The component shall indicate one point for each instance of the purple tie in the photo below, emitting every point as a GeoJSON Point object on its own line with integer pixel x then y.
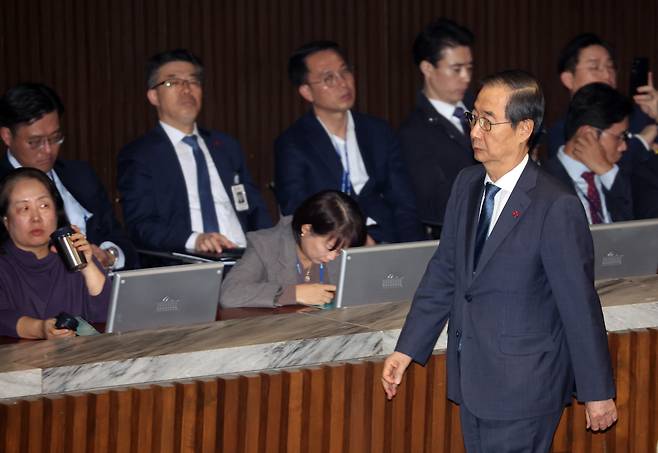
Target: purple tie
{"type": "Point", "coordinates": [593, 198]}
{"type": "Point", "coordinates": [459, 114]}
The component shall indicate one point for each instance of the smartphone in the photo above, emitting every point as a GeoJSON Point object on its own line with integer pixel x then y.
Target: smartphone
{"type": "Point", "coordinates": [639, 74]}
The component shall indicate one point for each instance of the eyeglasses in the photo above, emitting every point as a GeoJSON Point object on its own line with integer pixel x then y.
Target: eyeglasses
{"type": "Point", "coordinates": [178, 83]}
{"type": "Point", "coordinates": [331, 79]}
{"type": "Point", "coordinates": [40, 142]}
{"type": "Point", "coordinates": [625, 136]}
{"type": "Point", "coordinates": [484, 123]}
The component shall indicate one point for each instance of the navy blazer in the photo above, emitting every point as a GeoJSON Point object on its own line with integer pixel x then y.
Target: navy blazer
{"type": "Point", "coordinates": [527, 320]}
{"type": "Point", "coordinates": [618, 200]}
{"type": "Point", "coordinates": [154, 196]}
{"type": "Point", "coordinates": [81, 181]}
{"type": "Point", "coordinates": [306, 163]}
{"type": "Point", "coordinates": [434, 152]}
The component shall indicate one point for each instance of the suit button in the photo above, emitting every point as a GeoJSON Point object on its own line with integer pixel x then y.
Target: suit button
{"type": "Point", "coordinates": [458, 333]}
{"type": "Point", "coordinates": [468, 297]}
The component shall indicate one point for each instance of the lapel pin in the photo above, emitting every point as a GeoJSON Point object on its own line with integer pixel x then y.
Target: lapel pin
{"type": "Point", "coordinates": [516, 213]}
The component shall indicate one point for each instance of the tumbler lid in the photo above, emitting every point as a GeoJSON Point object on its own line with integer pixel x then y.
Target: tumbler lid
{"type": "Point", "coordinates": [63, 231]}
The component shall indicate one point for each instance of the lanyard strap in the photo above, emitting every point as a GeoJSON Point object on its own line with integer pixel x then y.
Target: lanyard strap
{"type": "Point", "coordinates": [299, 270]}
{"type": "Point", "coordinates": [345, 183]}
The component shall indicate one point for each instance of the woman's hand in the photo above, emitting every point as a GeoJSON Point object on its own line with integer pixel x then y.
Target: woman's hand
{"type": "Point", "coordinates": [50, 331]}
{"type": "Point", "coordinates": [314, 293]}
{"type": "Point", "coordinates": [94, 277]}
{"type": "Point", "coordinates": [81, 244]}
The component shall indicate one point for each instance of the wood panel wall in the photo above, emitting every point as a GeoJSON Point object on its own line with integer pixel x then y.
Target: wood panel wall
{"type": "Point", "coordinates": [326, 409]}
{"type": "Point", "coordinates": [93, 54]}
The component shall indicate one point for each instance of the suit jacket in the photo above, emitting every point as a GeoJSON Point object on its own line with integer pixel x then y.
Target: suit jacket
{"type": "Point", "coordinates": [527, 320]}
{"type": "Point", "coordinates": [618, 199]}
{"type": "Point", "coordinates": [306, 163]}
{"type": "Point", "coordinates": [267, 267]}
{"type": "Point", "coordinates": [81, 181]}
{"type": "Point", "coordinates": [154, 196]}
{"type": "Point", "coordinates": [434, 152]}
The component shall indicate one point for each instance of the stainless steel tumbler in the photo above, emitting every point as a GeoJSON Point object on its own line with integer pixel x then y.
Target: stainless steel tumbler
{"type": "Point", "coordinates": [74, 260]}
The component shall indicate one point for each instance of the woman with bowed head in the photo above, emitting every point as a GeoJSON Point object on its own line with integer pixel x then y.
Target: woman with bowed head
{"type": "Point", "coordinates": [286, 264]}
{"type": "Point", "coordinates": [35, 284]}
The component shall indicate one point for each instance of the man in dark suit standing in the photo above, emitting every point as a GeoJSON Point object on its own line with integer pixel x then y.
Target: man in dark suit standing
{"type": "Point", "coordinates": [30, 116]}
{"type": "Point", "coordinates": [334, 147]}
{"type": "Point", "coordinates": [434, 139]}
{"type": "Point", "coordinates": [596, 130]}
{"type": "Point", "coordinates": [184, 187]}
{"type": "Point", "coordinates": [514, 274]}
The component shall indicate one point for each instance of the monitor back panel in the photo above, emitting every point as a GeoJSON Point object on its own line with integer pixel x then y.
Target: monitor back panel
{"type": "Point", "coordinates": [382, 273]}
{"type": "Point", "coordinates": [164, 296]}
{"type": "Point", "coordinates": [625, 249]}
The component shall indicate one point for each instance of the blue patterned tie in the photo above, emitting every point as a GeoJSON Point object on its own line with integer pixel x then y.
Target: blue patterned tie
{"type": "Point", "coordinates": [485, 220]}
{"type": "Point", "coordinates": [208, 212]}
{"type": "Point", "coordinates": [459, 114]}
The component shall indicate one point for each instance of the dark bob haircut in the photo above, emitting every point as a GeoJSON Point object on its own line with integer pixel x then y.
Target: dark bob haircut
{"type": "Point", "coordinates": [439, 35]}
{"type": "Point", "coordinates": [26, 103]}
{"type": "Point", "coordinates": [334, 214]}
{"type": "Point", "coordinates": [597, 105]}
{"type": "Point", "coordinates": [570, 53]}
{"type": "Point", "coordinates": [7, 185]}
{"type": "Point", "coordinates": [297, 69]}
{"type": "Point", "coordinates": [526, 101]}
{"type": "Point", "coordinates": [154, 64]}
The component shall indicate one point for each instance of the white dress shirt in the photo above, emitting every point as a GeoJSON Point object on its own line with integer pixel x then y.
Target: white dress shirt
{"type": "Point", "coordinates": [75, 212]}
{"type": "Point", "coordinates": [575, 170]}
{"type": "Point", "coordinates": [227, 219]}
{"type": "Point", "coordinates": [506, 183]}
{"type": "Point", "coordinates": [350, 157]}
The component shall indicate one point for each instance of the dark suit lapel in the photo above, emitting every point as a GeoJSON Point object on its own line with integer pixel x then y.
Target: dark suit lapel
{"type": "Point", "coordinates": [321, 145]}
{"type": "Point", "coordinates": [473, 210]}
{"type": "Point", "coordinates": [366, 151]}
{"type": "Point", "coordinates": [435, 119]}
{"type": "Point", "coordinates": [512, 213]}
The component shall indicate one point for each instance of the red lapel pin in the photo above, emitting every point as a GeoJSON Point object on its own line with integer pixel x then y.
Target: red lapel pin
{"type": "Point", "coordinates": [516, 214]}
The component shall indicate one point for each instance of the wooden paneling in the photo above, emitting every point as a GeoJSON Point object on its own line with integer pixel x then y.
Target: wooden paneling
{"type": "Point", "coordinates": [93, 54]}
{"type": "Point", "coordinates": [332, 408]}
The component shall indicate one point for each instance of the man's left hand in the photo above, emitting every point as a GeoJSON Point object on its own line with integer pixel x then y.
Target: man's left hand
{"type": "Point", "coordinates": [600, 415]}
{"type": "Point", "coordinates": [104, 257]}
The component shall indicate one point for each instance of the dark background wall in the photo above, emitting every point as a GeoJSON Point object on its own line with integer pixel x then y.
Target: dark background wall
{"type": "Point", "coordinates": [93, 52]}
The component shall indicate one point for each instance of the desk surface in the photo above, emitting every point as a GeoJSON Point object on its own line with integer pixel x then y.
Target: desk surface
{"type": "Point", "coordinates": [250, 343]}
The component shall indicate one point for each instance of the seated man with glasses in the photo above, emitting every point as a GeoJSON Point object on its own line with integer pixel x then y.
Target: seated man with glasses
{"type": "Point", "coordinates": [596, 130]}
{"type": "Point", "coordinates": [333, 147]}
{"type": "Point", "coordinates": [184, 187]}
{"type": "Point", "coordinates": [30, 116]}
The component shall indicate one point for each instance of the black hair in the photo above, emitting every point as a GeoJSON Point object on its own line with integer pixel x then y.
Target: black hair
{"type": "Point", "coordinates": [297, 69]}
{"type": "Point", "coordinates": [437, 36]}
{"type": "Point", "coordinates": [570, 53]}
{"type": "Point", "coordinates": [331, 213]}
{"type": "Point", "coordinates": [526, 102]}
{"type": "Point", "coordinates": [7, 185]}
{"type": "Point", "coordinates": [26, 103]}
{"type": "Point", "coordinates": [158, 60]}
{"type": "Point", "coordinates": [597, 105]}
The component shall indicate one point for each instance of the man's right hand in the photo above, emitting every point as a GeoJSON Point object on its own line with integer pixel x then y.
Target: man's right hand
{"type": "Point", "coordinates": [213, 242]}
{"type": "Point", "coordinates": [394, 367]}
{"type": "Point", "coordinates": [584, 146]}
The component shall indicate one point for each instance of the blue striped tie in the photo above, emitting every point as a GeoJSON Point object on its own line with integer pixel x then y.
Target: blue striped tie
{"type": "Point", "coordinates": [208, 212]}
{"type": "Point", "coordinates": [485, 220]}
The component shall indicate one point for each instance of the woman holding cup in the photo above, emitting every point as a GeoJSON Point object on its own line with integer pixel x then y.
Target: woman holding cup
{"type": "Point", "coordinates": [35, 283]}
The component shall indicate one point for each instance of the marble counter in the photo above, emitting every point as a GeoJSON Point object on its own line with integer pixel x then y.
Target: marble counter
{"type": "Point", "coordinates": [251, 344]}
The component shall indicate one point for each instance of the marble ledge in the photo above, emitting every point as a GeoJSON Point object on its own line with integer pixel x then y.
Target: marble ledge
{"type": "Point", "coordinates": [251, 344]}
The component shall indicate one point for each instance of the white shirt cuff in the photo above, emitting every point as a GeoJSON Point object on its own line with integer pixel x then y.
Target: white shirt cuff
{"type": "Point", "coordinates": [608, 178]}
{"type": "Point", "coordinates": [644, 143]}
{"type": "Point", "coordinates": [120, 262]}
{"type": "Point", "coordinates": [190, 244]}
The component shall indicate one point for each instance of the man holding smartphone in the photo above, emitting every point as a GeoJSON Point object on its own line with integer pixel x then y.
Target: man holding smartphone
{"type": "Point", "coordinates": [588, 59]}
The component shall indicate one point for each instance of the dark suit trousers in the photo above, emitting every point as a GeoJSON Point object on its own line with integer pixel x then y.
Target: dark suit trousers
{"type": "Point", "coordinates": [528, 435]}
